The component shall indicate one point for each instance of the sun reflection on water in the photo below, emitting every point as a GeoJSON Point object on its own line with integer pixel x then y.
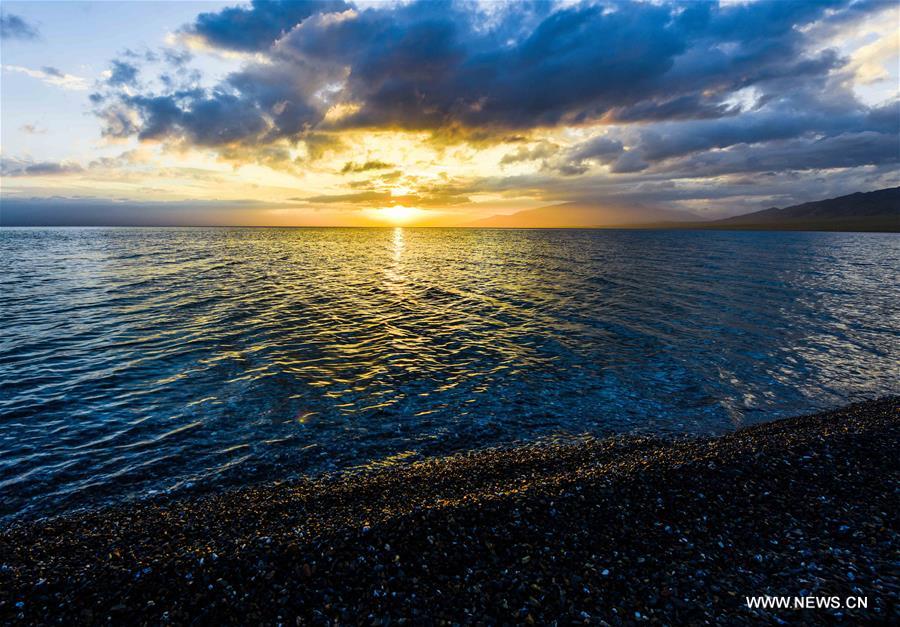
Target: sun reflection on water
{"type": "Point", "coordinates": [200, 355]}
{"type": "Point", "coordinates": [398, 243]}
{"type": "Point", "coordinates": [394, 271]}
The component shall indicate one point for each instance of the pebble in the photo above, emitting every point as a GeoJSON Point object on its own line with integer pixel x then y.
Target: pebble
{"type": "Point", "coordinates": [502, 536]}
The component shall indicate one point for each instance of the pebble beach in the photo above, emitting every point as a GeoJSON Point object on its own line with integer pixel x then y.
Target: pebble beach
{"type": "Point", "coordinates": [623, 530]}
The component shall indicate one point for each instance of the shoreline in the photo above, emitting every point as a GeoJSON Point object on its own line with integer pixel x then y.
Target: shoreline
{"type": "Point", "coordinates": [618, 530]}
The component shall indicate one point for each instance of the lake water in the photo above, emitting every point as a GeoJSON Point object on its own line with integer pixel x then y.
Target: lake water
{"type": "Point", "coordinates": [134, 361]}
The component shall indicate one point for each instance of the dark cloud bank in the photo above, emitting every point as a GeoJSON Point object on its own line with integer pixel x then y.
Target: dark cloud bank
{"type": "Point", "coordinates": [433, 65]}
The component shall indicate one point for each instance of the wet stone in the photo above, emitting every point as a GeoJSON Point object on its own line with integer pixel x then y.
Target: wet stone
{"type": "Point", "coordinates": [625, 530]}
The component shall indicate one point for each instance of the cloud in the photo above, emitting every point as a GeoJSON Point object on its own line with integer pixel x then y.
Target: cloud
{"type": "Point", "coordinates": [536, 152]}
{"type": "Point", "coordinates": [713, 195]}
{"type": "Point", "coordinates": [805, 122]}
{"type": "Point", "coordinates": [257, 27]}
{"type": "Point", "coordinates": [52, 71]}
{"type": "Point", "coordinates": [603, 149]}
{"type": "Point", "coordinates": [122, 74]}
{"type": "Point", "coordinates": [51, 76]}
{"type": "Point", "coordinates": [434, 194]}
{"type": "Point", "coordinates": [847, 150]}
{"type": "Point", "coordinates": [433, 66]}
{"type": "Point", "coordinates": [21, 167]}
{"type": "Point", "coordinates": [629, 162]}
{"type": "Point", "coordinates": [145, 55]}
{"type": "Point", "coordinates": [352, 166]}
{"type": "Point", "coordinates": [793, 116]}
{"type": "Point", "coordinates": [32, 129]}
{"type": "Point", "coordinates": [366, 197]}
{"type": "Point", "coordinates": [870, 62]}
{"type": "Point", "coordinates": [176, 57]}
{"type": "Point", "coordinates": [14, 27]}
{"type": "Point", "coordinates": [437, 67]}
{"type": "Point", "coordinates": [635, 92]}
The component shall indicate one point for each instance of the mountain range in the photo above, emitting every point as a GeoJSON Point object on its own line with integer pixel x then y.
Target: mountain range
{"type": "Point", "coordinates": [863, 211]}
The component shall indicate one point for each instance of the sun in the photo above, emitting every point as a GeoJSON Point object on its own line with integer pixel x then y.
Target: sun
{"type": "Point", "coordinates": [396, 214]}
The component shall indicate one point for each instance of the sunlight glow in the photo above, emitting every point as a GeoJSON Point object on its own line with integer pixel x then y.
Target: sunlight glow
{"type": "Point", "coordinates": [398, 214]}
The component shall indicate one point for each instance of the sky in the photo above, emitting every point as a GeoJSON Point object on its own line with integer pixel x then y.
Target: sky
{"type": "Point", "coordinates": [440, 113]}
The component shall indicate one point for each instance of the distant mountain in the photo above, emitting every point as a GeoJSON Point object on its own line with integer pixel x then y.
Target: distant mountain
{"type": "Point", "coordinates": [572, 214]}
{"type": "Point", "coordinates": [862, 211]}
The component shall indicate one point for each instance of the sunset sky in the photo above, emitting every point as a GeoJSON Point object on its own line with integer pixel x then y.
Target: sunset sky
{"type": "Point", "coordinates": [343, 113]}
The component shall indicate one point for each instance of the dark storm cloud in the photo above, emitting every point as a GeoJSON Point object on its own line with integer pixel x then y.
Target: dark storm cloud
{"type": "Point", "coordinates": [687, 107]}
{"type": "Point", "coordinates": [599, 150]}
{"type": "Point", "coordinates": [220, 120]}
{"type": "Point", "coordinates": [14, 27]}
{"type": "Point", "coordinates": [796, 131]}
{"type": "Point", "coordinates": [603, 149]}
{"type": "Point", "coordinates": [627, 162]}
{"type": "Point", "coordinates": [794, 117]}
{"type": "Point", "coordinates": [434, 65]}
{"type": "Point", "coordinates": [847, 150]}
{"type": "Point", "coordinates": [697, 76]}
{"type": "Point", "coordinates": [255, 28]}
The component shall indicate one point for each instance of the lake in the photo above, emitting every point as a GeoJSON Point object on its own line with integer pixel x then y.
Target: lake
{"type": "Point", "coordinates": [139, 361]}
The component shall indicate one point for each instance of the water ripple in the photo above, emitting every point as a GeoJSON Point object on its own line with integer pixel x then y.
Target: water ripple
{"type": "Point", "coordinates": [134, 361]}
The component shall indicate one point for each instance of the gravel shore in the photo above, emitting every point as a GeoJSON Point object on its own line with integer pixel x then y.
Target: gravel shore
{"type": "Point", "coordinates": [621, 531]}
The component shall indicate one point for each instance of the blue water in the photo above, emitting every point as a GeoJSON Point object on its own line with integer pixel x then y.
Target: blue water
{"type": "Point", "coordinates": [135, 361]}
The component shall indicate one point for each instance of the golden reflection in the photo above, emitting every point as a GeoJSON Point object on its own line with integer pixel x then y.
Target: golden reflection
{"type": "Point", "coordinates": [398, 243]}
{"type": "Point", "coordinates": [396, 279]}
